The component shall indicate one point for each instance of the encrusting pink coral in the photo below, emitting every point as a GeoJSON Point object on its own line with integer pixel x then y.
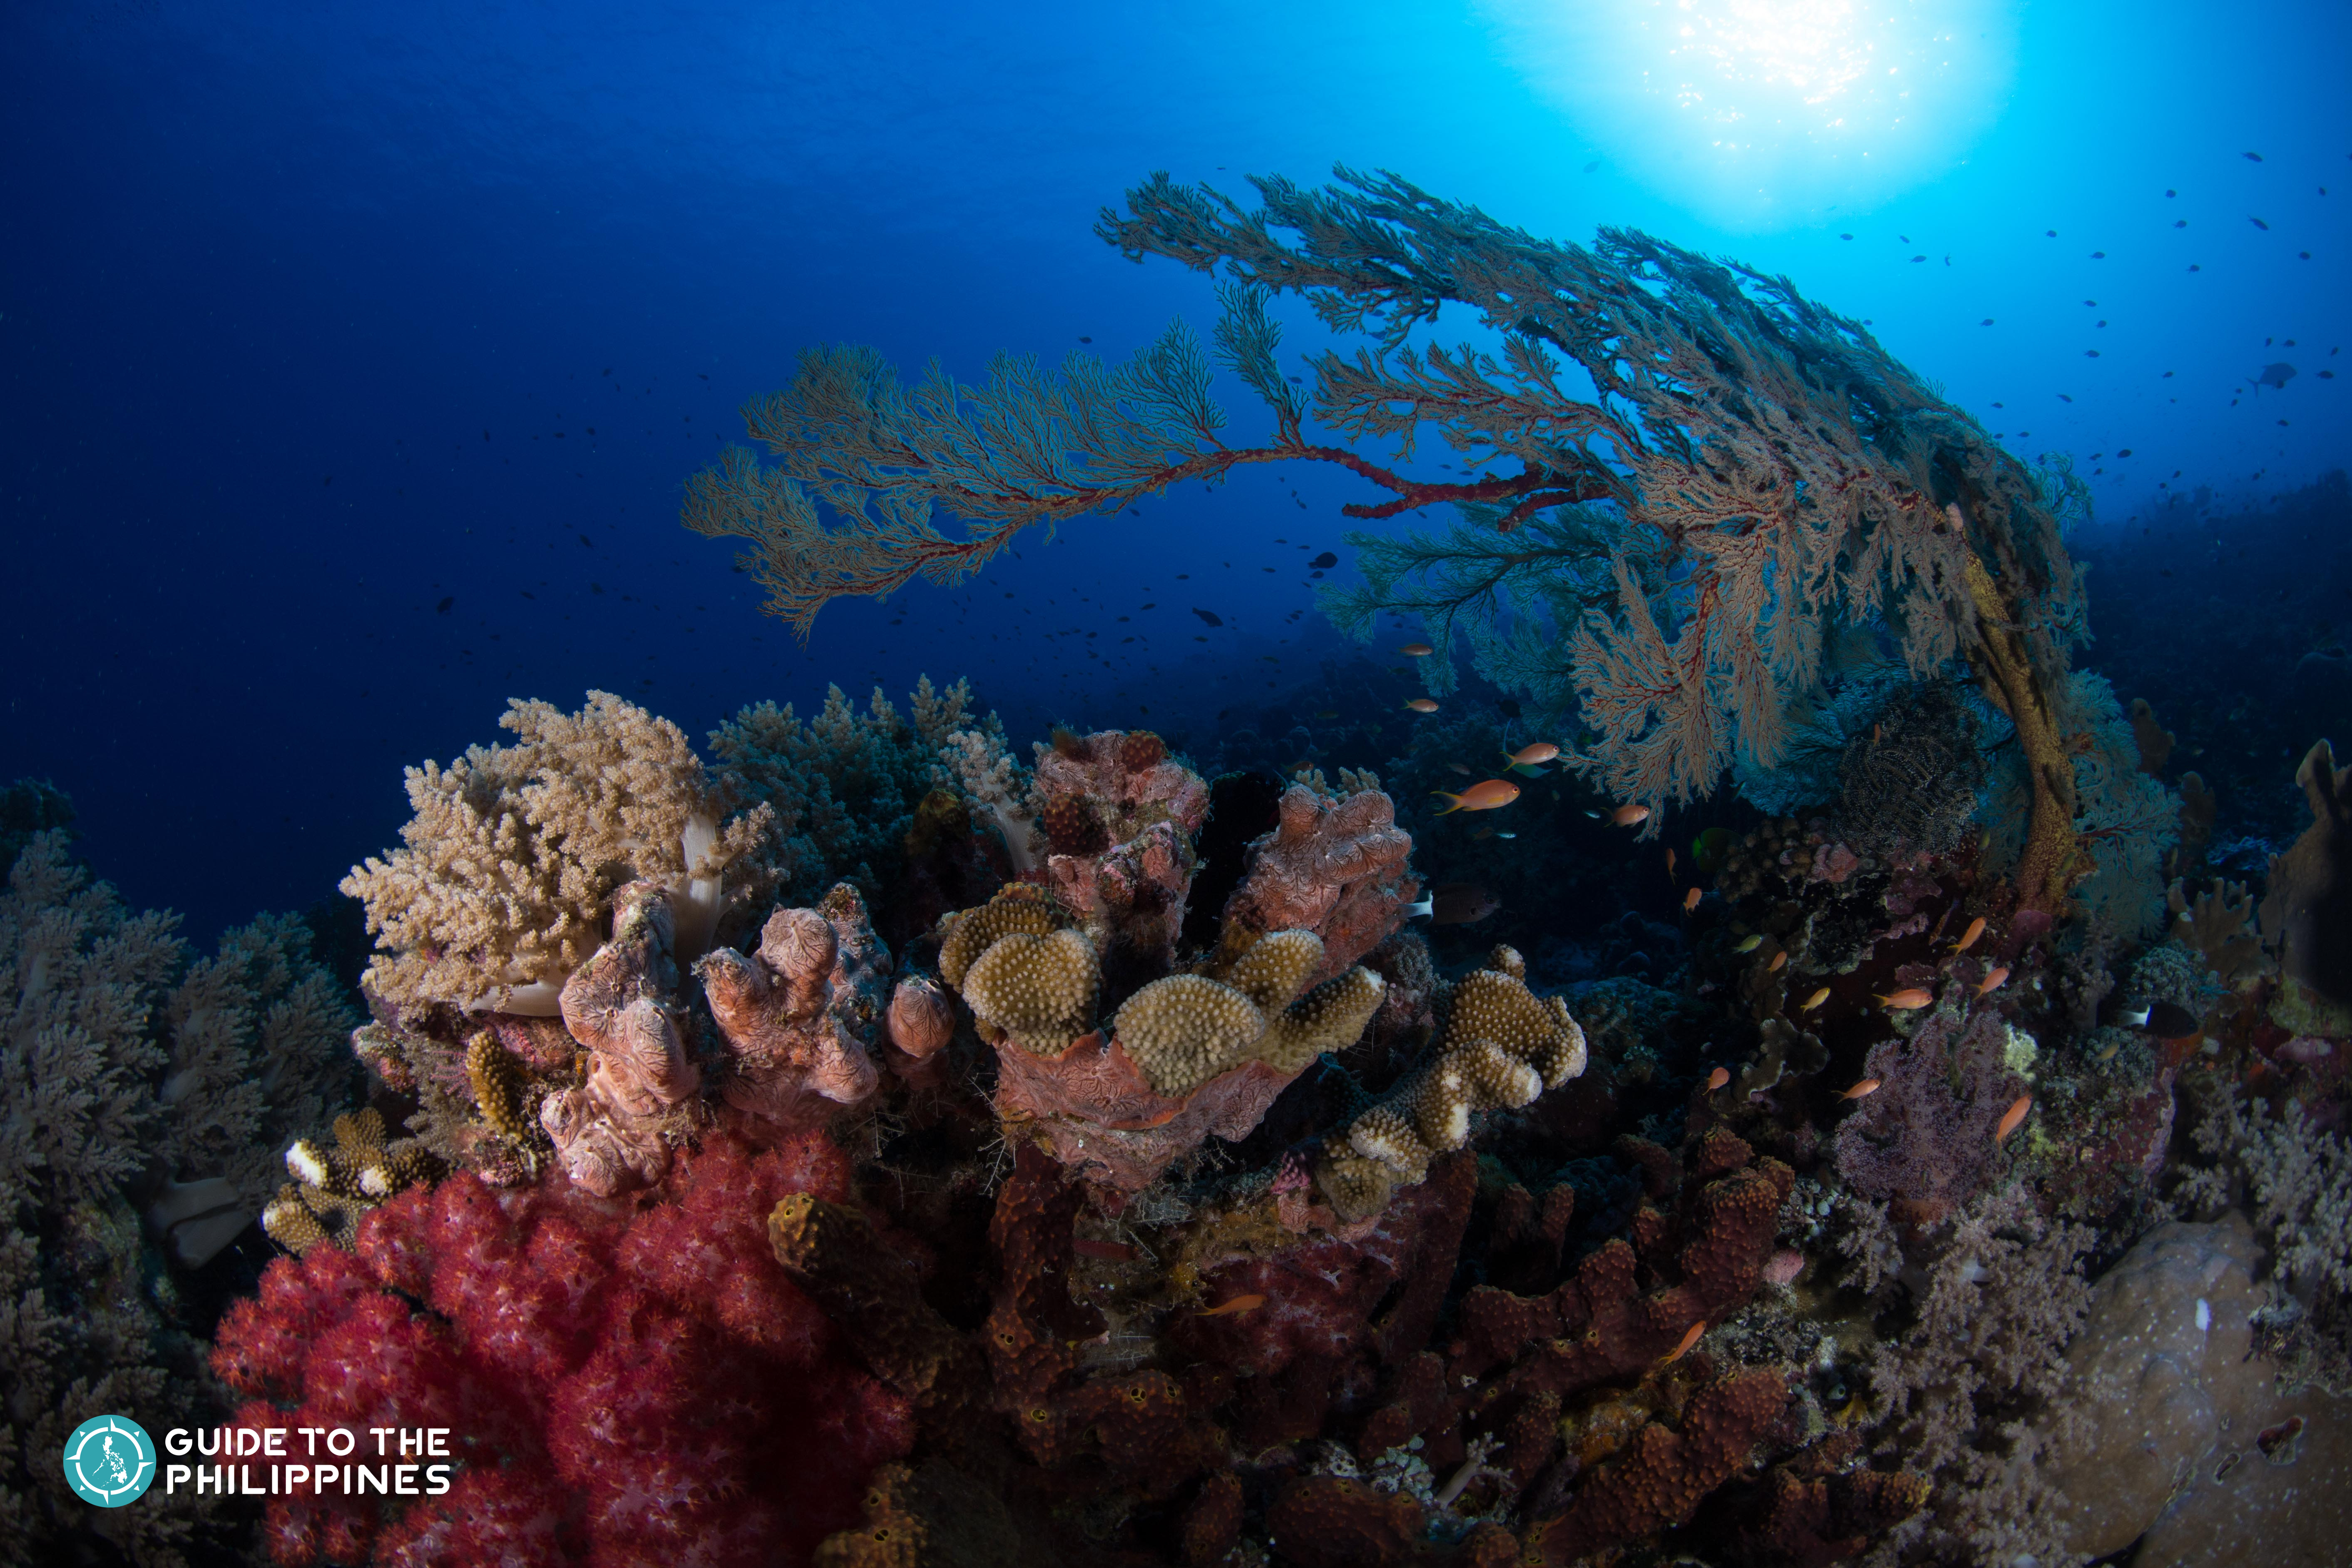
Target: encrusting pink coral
{"type": "Point", "coordinates": [1336, 867]}
{"type": "Point", "coordinates": [609, 1131]}
{"type": "Point", "coordinates": [623, 1385]}
{"type": "Point", "coordinates": [799, 1014]}
{"type": "Point", "coordinates": [1119, 814]}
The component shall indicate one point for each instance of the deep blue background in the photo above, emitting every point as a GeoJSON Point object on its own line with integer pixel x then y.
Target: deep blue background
{"type": "Point", "coordinates": [311, 316]}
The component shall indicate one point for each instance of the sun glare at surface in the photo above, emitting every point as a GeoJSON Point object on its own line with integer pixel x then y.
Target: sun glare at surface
{"type": "Point", "coordinates": [1760, 113]}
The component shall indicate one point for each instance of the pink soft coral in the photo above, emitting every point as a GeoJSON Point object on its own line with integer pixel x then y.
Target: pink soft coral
{"type": "Point", "coordinates": [623, 1385]}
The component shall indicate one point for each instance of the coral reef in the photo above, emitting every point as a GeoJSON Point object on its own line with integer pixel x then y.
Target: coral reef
{"type": "Point", "coordinates": [1925, 1137]}
{"type": "Point", "coordinates": [138, 1086]}
{"type": "Point", "coordinates": [622, 1384]}
{"type": "Point", "coordinates": [2307, 913]}
{"type": "Point", "coordinates": [505, 882]}
{"type": "Point", "coordinates": [1333, 866]}
{"type": "Point", "coordinates": [1500, 1048]}
{"type": "Point", "coordinates": [847, 788]}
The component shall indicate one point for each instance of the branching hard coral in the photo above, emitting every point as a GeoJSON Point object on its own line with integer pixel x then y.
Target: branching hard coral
{"type": "Point", "coordinates": [336, 1186]}
{"type": "Point", "coordinates": [1500, 1048]}
{"type": "Point", "coordinates": [845, 785]}
{"type": "Point", "coordinates": [505, 884]}
{"type": "Point", "coordinates": [1751, 470]}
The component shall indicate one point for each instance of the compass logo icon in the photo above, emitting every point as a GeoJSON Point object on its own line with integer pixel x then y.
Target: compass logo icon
{"type": "Point", "coordinates": [110, 1460]}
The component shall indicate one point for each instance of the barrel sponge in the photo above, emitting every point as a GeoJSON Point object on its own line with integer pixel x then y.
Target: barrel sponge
{"type": "Point", "coordinates": [1038, 989]}
{"type": "Point", "coordinates": [1275, 968]}
{"type": "Point", "coordinates": [1331, 1017]}
{"type": "Point", "coordinates": [1016, 908]}
{"type": "Point", "coordinates": [1186, 1029]}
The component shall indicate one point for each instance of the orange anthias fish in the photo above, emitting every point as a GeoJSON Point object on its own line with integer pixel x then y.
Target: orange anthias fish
{"type": "Point", "coordinates": [1778, 960]}
{"type": "Point", "coordinates": [1238, 1304]}
{"type": "Point", "coordinates": [1815, 1000]}
{"type": "Point", "coordinates": [1534, 751]}
{"type": "Point", "coordinates": [1866, 1086]}
{"type": "Point", "coordinates": [1690, 1338]}
{"type": "Point", "coordinates": [1969, 937]}
{"type": "Point", "coordinates": [1910, 996]}
{"type": "Point", "coordinates": [1422, 705]}
{"type": "Point", "coordinates": [1416, 650]}
{"type": "Point", "coordinates": [1485, 795]}
{"type": "Point", "coordinates": [1670, 862]}
{"type": "Point", "coordinates": [1690, 899]}
{"type": "Point", "coordinates": [1629, 815]}
{"type": "Point", "coordinates": [2012, 1117]}
{"type": "Point", "coordinates": [1992, 981]}
{"type": "Point", "coordinates": [1718, 1078]}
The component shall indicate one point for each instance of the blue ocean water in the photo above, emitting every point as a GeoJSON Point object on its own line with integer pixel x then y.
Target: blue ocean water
{"type": "Point", "coordinates": [353, 358]}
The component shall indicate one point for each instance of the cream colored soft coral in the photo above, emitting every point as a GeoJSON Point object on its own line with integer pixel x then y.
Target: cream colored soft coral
{"type": "Point", "coordinates": [505, 884]}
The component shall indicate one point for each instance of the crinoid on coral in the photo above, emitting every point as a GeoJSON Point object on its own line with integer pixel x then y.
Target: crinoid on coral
{"type": "Point", "coordinates": [506, 879]}
{"type": "Point", "coordinates": [625, 1384]}
{"type": "Point", "coordinates": [1500, 1048]}
{"type": "Point", "coordinates": [1337, 867]}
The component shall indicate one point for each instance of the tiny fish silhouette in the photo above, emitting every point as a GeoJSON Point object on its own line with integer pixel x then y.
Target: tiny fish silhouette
{"type": "Point", "coordinates": [1237, 1305]}
{"type": "Point", "coordinates": [1458, 768]}
{"type": "Point", "coordinates": [1690, 899]}
{"type": "Point", "coordinates": [1670, 862]}
{"type": "Point", "coordinates": [1905, 1000]}
{"type": "Point", "coordinates": [1867, 1085]}
{"type": "Point", "coordinates": [1718, 1078]}
{"type": "Point", "coordinates": [1690, 1338]}
{"type": "Point", "coordinates": [2275, 376]}
{"type": "Point", "coordinates": [1485, 795]}
{"type": "Point", "coordinates": [1993, 981]}
{"type": "Point", "coordinates": [1210, 617]}
{"type": "Point", "coordinates": [1969, 937]}
{"type": "Point", "coordinates": [2258, 224]}
{"type": "Point", "coordinates": [1416, 650]}
{"type": "Point", "coordinates": [1815, 1000]}
{"type": "Point", "coordinates": [1422, 705]}
{"type": "Point", "coordinates": [1322, 561]}
{"type": "Point", "coordinates": [2012, 1117]}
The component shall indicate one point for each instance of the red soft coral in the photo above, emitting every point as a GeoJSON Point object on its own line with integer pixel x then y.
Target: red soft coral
{"type": "Point", "coordinates": [622, 1385]}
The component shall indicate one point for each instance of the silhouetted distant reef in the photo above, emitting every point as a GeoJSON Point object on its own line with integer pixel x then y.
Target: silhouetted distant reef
{"type": "Point", "coordinates": [2236, 627]}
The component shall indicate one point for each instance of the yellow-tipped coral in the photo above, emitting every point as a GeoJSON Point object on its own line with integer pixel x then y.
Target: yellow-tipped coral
{"type": "Point", "coordinates": [1040, 990]}
{"type": "Point", "coordinates": [1018, 907]}
{"type": "Point", "coordinates": [335, 1184]}
{"type": "Point", "coordinates": [1501, 1049]}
